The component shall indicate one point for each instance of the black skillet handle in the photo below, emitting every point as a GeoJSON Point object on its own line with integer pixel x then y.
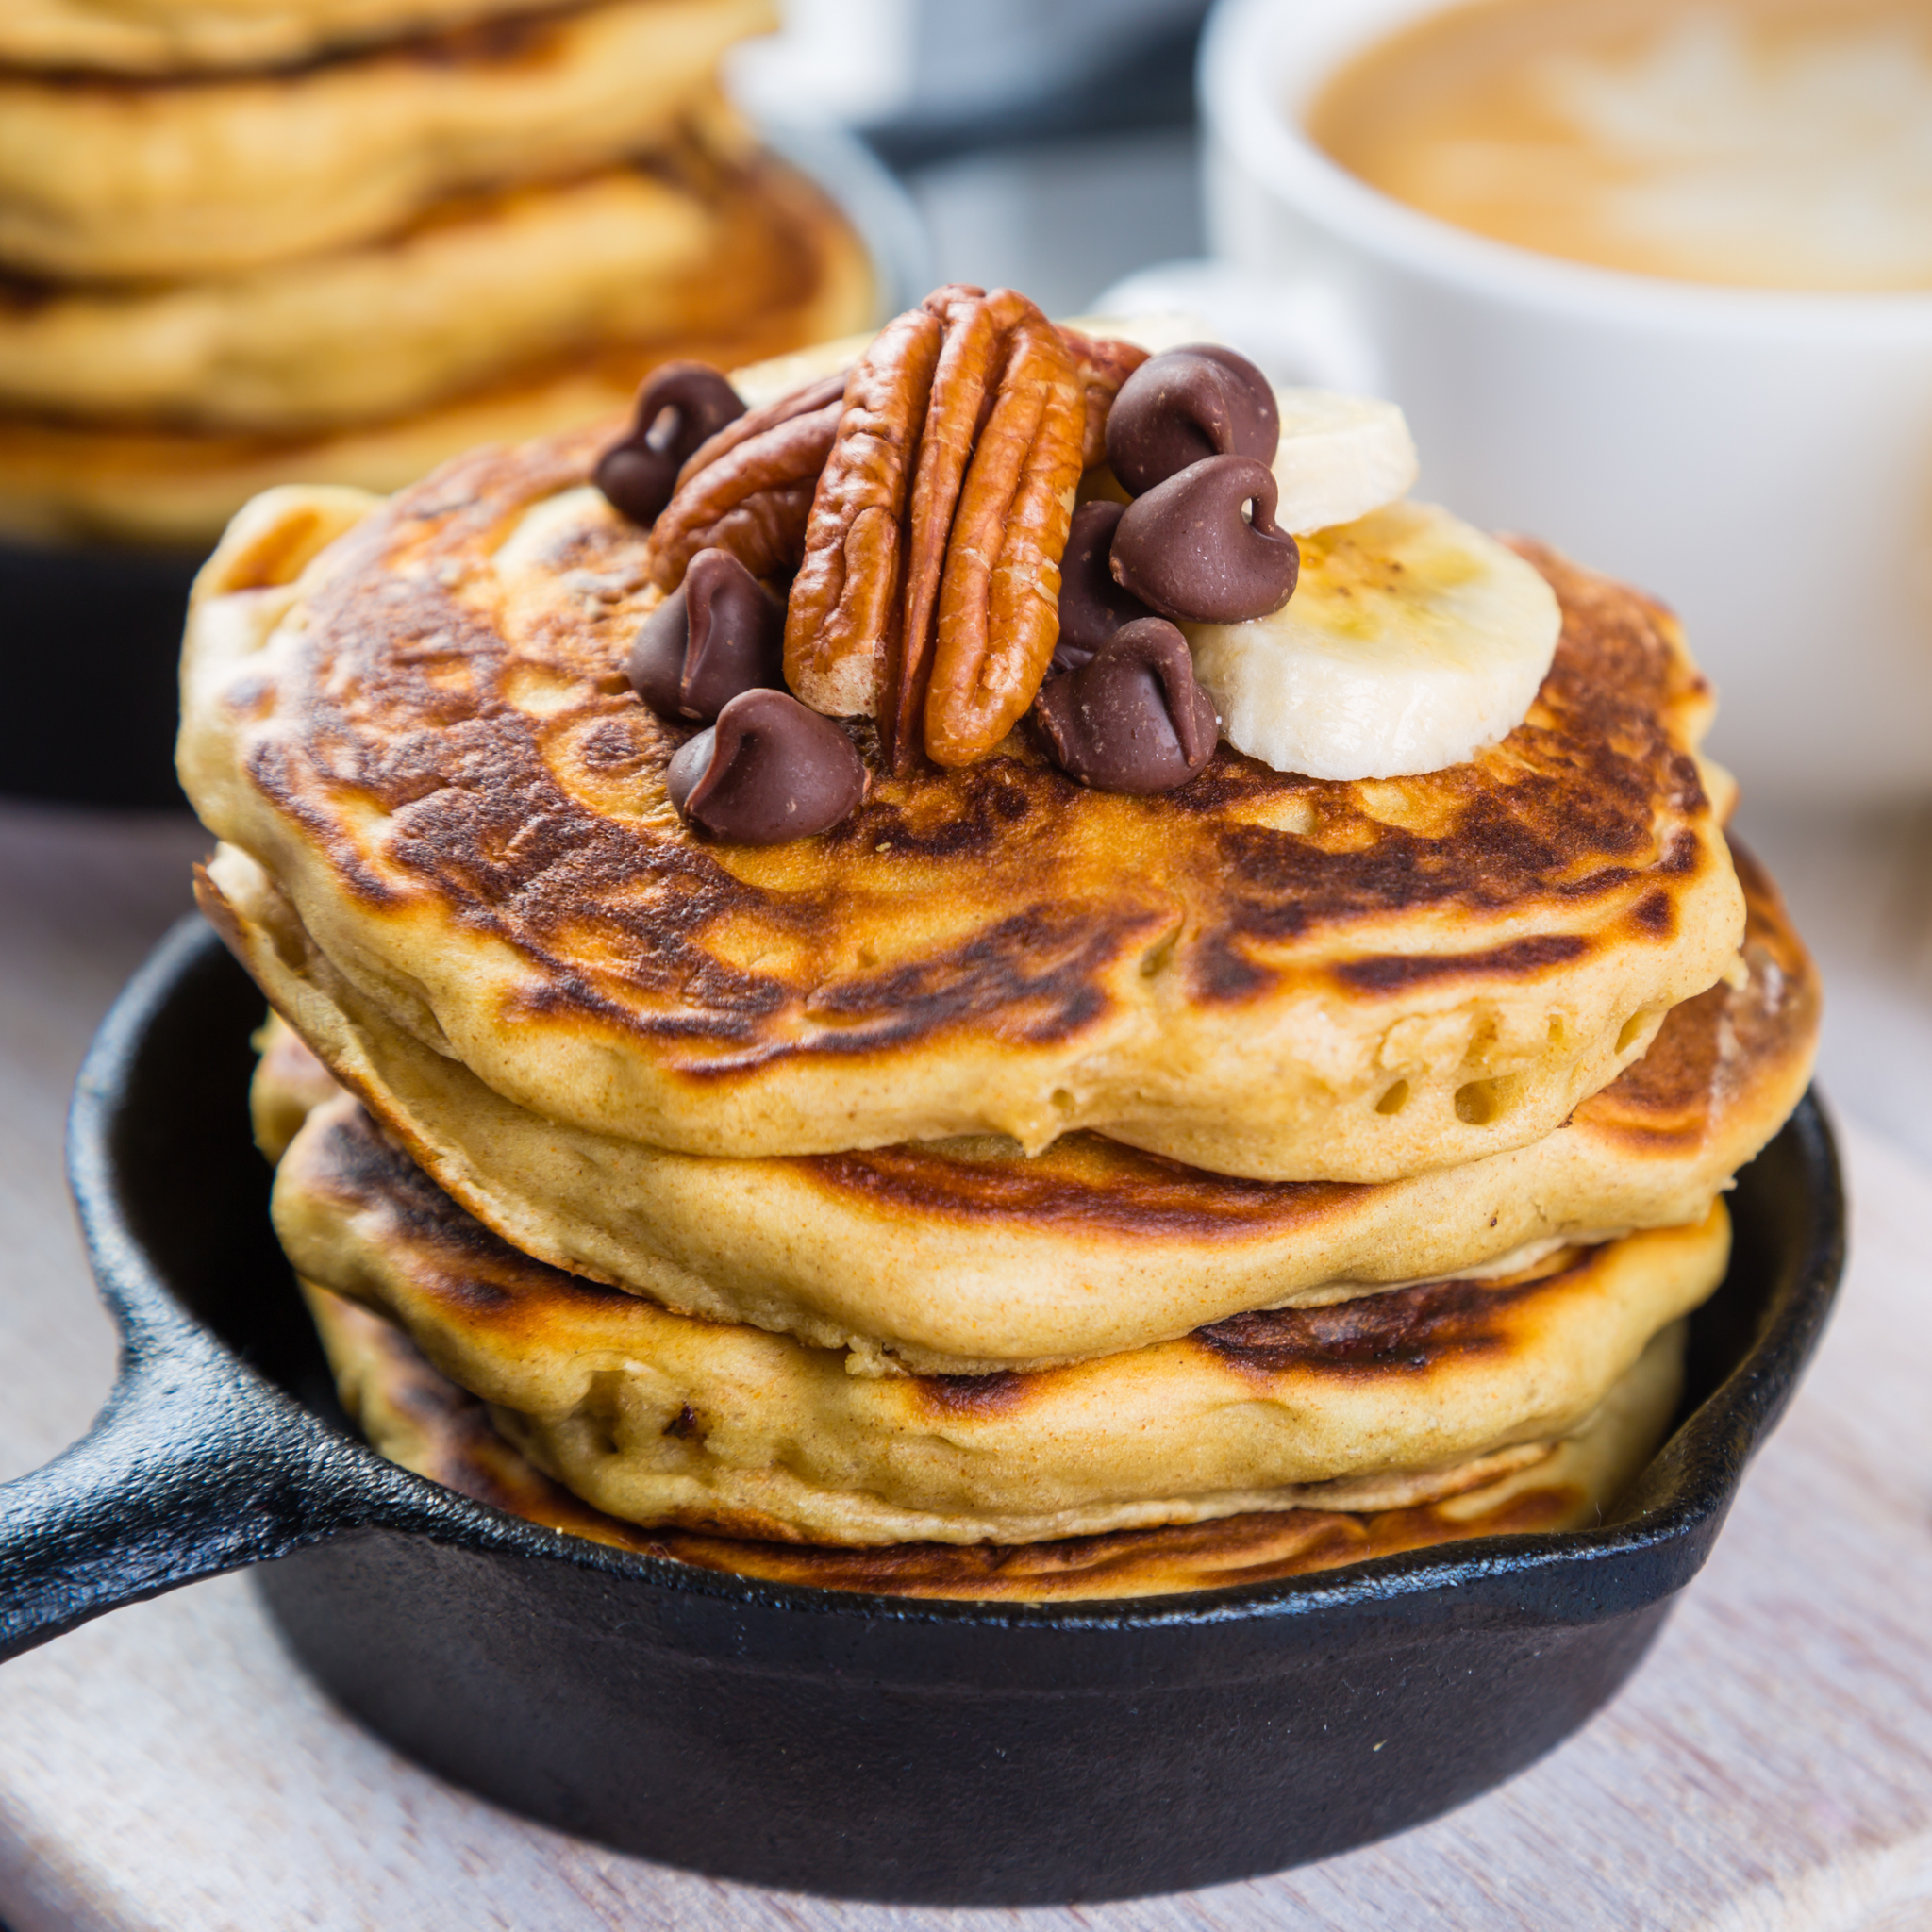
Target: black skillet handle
{"type": "Point", "coordinates": [195, 1466]}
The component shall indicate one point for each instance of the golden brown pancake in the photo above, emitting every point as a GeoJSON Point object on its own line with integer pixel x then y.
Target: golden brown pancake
{"type": "Point", "coordinates": [290, 1083]}
{"type": "Point", "coordinates": [183, 37]}
{"type": "Point", "coordinates": [123, 179]}
{"type": "Point", "coordinates": [427, 744]}
{"type": "Point", "coordinates": [786, 269]}
{"type": "Point", "coordinates": [661, 1419]}
{"type": "Point", "coordinates": [481, 288]}
{"type": "Point", "coordinates": [420, 1419]}
{"type": "Point", "coordinates": [966, 1258]}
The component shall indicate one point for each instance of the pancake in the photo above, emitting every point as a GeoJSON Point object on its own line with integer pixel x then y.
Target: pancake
{"type": "Point", "coordinates": [178, 37]}
{"type": "Point", "coordinates": [661, 1419]}
{"type": "Point", "coordinates": [103, 179]}
{"type": "Point", "coordinates": [378, 330]}
{"type": "Point", "coordinates": [420, 1419]}
{"type": "Point", "coordinates": [428, 742]}
{"type": "Point", "coordinates": [182, 37]}
{"type": "Point", "coordinates": [785, 269]}
{"type": "Point", "coordinates": [290, 1083]}
{"type": "Point", "coordinates": [969, 1258]}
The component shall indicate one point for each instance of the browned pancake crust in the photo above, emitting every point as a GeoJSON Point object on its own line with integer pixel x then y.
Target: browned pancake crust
{"type": "Point", "coordinates": [991, 947]}
{"type": "Point", "coordinates": [1712, 1049]}
{"type": "Point", "coordinates": [720, 1429]}
{"type": "Point", "coordinates": [478, 1279]}
{"type": "Point", "coordinates": [454, 1444]}
{"type": "Point", "coordinates": [1711, 1053]}
{"type": "Point", "coordinates": [965, 1256]}
{"type": "Point", "coordinates": [1236, 1550]}
{"type": "Point", "coordinates": [632, 923]}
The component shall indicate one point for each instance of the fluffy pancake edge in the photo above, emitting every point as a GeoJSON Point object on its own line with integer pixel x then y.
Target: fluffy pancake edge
{"type": "Point", "coordinates": [418, 1418]}
{"type": "Point", "coordinates": [919, 1260]}
{"type": "Point", "coordinates": [659, 1418]}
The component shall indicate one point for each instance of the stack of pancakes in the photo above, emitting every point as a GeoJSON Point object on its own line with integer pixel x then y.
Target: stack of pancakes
{"type": "Point", "coordinates": [242, 241]}
{"type": "Point", "coordinates": [1019, 1190]}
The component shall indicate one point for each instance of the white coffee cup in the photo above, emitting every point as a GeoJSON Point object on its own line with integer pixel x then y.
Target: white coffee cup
{"type": "Point", "coordinates": [1760, 460]}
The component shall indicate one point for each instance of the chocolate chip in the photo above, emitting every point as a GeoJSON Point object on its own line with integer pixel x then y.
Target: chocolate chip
{"type": "Point", "coordinates": [719, 633]}
{"type": "Point", "coordinates": [1132, 719]}
{"type": "Point", "coordinates": [768, 771]}
{"type": "Point", "coordinates": [1186, 550]}
{"type": "Point", "coordinates": [1093, 605]}
{"type": "Point", "coordinates": [680, 405]}
{"type": "Point", "coordinates": [1175, 409]}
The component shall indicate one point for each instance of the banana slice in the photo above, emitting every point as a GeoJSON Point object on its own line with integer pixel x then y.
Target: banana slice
{"type": "Point", "coordinates": [1411, 642]}
{"type": "Point", "coordinates": [1339, 457]}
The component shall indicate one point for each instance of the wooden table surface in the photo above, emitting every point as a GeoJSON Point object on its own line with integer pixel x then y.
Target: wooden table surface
{"type": "Point", "coordinates": [1768, 1769]}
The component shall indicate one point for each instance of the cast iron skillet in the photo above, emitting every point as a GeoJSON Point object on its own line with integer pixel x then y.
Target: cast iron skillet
{"type": "Point", "coordinates": [837, 1743]}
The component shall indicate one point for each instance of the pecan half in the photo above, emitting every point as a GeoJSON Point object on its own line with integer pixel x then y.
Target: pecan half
{"type": "Point", "coordinates": [846, 607]}
{"type": "Point", "coordinates": [749, 489]}
{"type": "Point", "coordinates": [999, 597]}
{"type": "Point", "coordinates": [1104, 365]}
{"type": "Point", "coordinates": [929, 590]}
{"type": "Point", "coordinates": [963, 395]}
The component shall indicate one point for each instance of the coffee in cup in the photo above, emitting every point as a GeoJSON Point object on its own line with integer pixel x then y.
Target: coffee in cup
{"type": "Point", "coordinates": [1760, 452]}
{"type": "Point", "coordinates": [1760, 143]}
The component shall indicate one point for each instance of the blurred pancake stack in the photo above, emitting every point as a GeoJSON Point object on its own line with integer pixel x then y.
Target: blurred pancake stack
{"type": "Point", "coordinates": [244, 242]}
{"type": "Point", "coordinates": [1039, 1173]}
{"type": "Point", "coordinates": [341, 243]}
